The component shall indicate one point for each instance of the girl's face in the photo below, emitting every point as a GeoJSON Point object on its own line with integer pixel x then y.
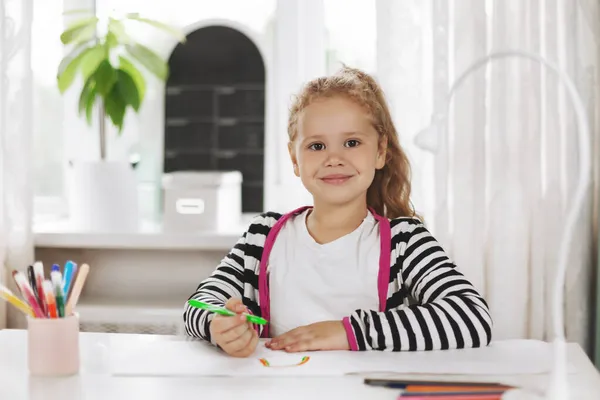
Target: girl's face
{"type": "Point", "coordinates": [336, 151]}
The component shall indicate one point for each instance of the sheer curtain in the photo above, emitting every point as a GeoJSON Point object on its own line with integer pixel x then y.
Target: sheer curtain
{"type": "Point", "coordinates": [498, 199]}
{"type": "Point", "coordinates": [16, 239]}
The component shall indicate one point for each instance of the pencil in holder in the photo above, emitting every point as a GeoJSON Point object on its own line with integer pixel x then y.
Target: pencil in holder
{"type": "Point", "coordinates": [53, 346]}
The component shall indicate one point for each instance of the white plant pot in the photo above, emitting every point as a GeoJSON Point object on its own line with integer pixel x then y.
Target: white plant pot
{"type": "Point", "coordinates": [103, 196]}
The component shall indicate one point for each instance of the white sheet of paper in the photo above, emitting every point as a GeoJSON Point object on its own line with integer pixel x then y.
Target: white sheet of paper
{"type": "Point", "coordinates": [197, 358]}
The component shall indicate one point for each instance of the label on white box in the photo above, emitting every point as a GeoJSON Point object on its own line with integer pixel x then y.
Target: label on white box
{"type": "Point", "coordinates": [189, 206]}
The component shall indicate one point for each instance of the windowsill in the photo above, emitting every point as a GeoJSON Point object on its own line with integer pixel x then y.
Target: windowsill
{"type": "Point", "coordinates": [150, 236]}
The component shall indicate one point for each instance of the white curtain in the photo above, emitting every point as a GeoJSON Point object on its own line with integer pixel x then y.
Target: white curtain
{"type": "Point", "coordinates": [16, 239]}
{"type": "Point", "coordinates": [498, 198]}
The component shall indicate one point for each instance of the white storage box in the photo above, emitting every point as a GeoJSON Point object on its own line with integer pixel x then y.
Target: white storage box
{"type": "Point", "coordinates": [196, 201]}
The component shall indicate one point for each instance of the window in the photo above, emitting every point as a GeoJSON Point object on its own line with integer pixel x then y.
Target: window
{"type": "Point", "coordinates": [60, 134]}
{"type": "Point", "coordinates": [163, 127]}
{"type": "Point", "coordinates": [48, 122]}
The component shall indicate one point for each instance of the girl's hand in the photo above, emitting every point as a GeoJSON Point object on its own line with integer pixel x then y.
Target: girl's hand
{"type": "Point", "coordinates": [327, 335]}
{"type": "Point", "coordinates": [235, 335]}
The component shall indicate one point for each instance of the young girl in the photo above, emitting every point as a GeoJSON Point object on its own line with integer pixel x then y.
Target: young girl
{"type": "Point", "coordinates": [357, 271]}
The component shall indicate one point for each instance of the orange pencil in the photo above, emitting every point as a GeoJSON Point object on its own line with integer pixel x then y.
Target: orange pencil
{"type": "Point", "coordinates": [50, 300]}
{"type": "Point", "coordinates": [454, 388]}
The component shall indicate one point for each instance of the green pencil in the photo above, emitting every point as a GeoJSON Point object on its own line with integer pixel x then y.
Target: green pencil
{"type": "Point", "coordinates": [56, 278]}
{"type": "Point", "coordinates": [223, 311]}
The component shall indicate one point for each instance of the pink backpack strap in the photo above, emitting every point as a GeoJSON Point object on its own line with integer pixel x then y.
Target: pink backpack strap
{"type": "Point", "coordinates": [383, 278]}
{"type": "Point", "coordinates": [263, 281]}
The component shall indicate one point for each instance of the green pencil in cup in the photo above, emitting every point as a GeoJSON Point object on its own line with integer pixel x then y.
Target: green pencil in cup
{"type": "Point", "coordinates": [228, 313]}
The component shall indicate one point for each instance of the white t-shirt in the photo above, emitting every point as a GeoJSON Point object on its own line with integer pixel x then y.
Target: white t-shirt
{"type": "Point", "coordinates": [311, 282]}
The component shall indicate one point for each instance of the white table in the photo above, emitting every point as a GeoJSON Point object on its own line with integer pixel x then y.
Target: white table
{"type": "Point", "coordinates": [95, 383]}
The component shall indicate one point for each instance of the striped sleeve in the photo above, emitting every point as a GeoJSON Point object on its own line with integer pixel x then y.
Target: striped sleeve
{"type": "Point", "coordinates": [449, 312]}
{"type": "Point", "coordinates": [224, 283]}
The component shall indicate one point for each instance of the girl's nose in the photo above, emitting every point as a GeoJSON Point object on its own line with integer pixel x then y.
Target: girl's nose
{"type": "Point", "coordinates": [334, 159]}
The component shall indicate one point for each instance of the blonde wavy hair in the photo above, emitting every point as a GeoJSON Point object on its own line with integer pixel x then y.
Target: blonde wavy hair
{"type": "Point", "coordinates": [389, 193]}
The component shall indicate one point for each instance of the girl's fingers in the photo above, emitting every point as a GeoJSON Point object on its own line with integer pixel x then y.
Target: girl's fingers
{"type": "Point", "coordinates": [234, 333]}
{"type": "Point", "coordinates": [249, 348]}
{"type": "Point", "coordinates": [240, 343]}
{"type": "Point", "coordinates": [221, 324]}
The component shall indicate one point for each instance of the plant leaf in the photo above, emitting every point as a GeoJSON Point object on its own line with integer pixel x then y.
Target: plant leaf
{"type": "Point", "coordinates": [105, 78]}
{"type": "Point", "coordinates": [117, 28]}
{"type": "Point", "coordinates": [79, 30]}
{"type": "Point", "coordinates": [78, 11]}
{"type": "Point", "coordinates": [87, 99]}
{"type": "Point", "coordinates": [179, 35]}
{"type": "Point", "coordinates": [70, 57]}
{"type": "Point", "coordinates": [85, 93]}
{"type": "Point", "coordinates": [92, 59]}
{"type": "Point", "coordinates": [135, 74]}
{"type": "Point", "coordinates": [115, 107]}
{"type": "Point", "coordinates": [149, 59]}
{"type": "Point", "coordinates": [89, 106]}
{"type": "Point", "coordinates": [67, 76]}
{"type": "Point", "coordinates": [111, 40]}
{"type": "Point", "coordinates": [86, 35]}
{"type": "Point", "coordinates": [128, 89]}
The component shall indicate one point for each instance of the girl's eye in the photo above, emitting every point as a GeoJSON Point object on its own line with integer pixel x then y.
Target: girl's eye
{"type": "Point", "coordinates": [352, 143]}
{"type": "Point", "coordinates": [316, 146]}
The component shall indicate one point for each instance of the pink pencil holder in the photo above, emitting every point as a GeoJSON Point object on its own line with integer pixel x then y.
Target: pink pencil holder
{"type": "Point", "coordinates": [53, 346]}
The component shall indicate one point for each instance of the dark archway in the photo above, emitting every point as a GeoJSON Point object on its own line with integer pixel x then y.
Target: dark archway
{"type": "Point", "coordinates": [215, 109]}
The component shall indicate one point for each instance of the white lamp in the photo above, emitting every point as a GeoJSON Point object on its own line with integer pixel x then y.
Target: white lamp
{"type": "Point", "coordinates": [430, 139]}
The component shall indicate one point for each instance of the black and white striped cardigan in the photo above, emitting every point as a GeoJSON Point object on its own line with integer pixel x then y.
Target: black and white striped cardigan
{"type": "Point", "coordinates": [425, 302]}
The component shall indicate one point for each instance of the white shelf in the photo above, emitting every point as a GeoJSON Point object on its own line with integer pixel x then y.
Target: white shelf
{"type": "Point", "coordinates": [127, 312]}
{"type": "Point", "coordinates": [59, 234]}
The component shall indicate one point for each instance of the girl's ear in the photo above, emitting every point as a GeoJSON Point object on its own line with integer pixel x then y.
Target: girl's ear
{"type": "Point", "coordinates": [381, 153]}
{"type": "Point", "coordinates": [292, 152]}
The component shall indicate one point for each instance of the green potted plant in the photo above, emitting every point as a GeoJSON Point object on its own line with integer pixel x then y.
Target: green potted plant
{"type": "Point", "coordinates": [111, 65]}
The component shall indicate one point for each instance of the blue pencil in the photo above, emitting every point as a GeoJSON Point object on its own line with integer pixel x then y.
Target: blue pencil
{"type": "Point", "coordinates": [403, 384]}
{"type": "Point", "coordinates": [70, 267]}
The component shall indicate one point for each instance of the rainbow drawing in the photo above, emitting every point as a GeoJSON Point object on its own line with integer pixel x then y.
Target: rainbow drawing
{"type": "Point", "coordinates": [266, 363]}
